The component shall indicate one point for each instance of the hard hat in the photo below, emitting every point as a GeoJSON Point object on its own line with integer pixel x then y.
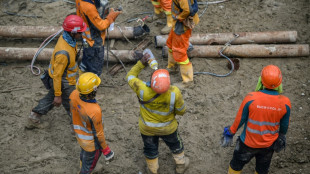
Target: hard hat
{"type": "Point", "coordinates": [160, 81]}
{"type": "Point", "coordinates": [87, 83]}
{"type": "Point", "coordinates": [271, 76]}
{"type": "Point", "coordinates": [74, 24]}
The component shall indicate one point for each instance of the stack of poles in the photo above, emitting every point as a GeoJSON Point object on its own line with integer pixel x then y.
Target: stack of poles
{"type": "Point", "coordinates": [270, 44]}
{"type": "Point", "coordinates": [14, 53]}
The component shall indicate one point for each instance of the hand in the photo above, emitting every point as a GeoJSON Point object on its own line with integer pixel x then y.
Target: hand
{"type": "Point", "coordinates": [227, 137]}
{"type": "Point", "coordinates": [280, 143]}
{"type": "Point", "coordinates": [145, 59]}
{"type": "Point", "coordinates": [108, 154]}
{"type": "Point", "coordinates": [112, 15]}
{"type": "Point", "coordinates": [57, 101]}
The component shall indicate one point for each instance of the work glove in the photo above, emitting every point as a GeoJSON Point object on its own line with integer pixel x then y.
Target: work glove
{"type": "Point", "coordinates": [280, 143]}
{"type": "Point", "coordinates": [227, 137]}
{"type": "Point", "coordinates": [145, 59]}
{"type": "Point", "coordinates": [108, 154]}
{"type": "Point", "coordinates": [112, 15]}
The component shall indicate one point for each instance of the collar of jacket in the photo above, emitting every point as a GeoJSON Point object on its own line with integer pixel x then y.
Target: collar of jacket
{"type": "Point", "coordinates": [148, 83]}
{"type": "Point", "coordinates": [89, 101]}
{"type": "Point", "coordinates": [269, 91]}
{"type": "Point", "coordinates": [69, 39]}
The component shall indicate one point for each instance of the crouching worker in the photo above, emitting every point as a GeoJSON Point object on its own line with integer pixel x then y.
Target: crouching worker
{"type": "Point", "coordinates": [159, 103]}
{"type": "Point", "coordinates": [87, 122]}
{"type": "Point", "coordinates": [62, 72]}
{"type": "Point", "coordinates": [266, 115]}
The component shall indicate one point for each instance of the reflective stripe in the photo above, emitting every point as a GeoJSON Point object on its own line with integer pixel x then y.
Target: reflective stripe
{"type": "Point", "coordinates": [156, 124]}
{"type": "Point", "coordinates": [85, 137]}
{"type": "Point", "coordinates": [184, 63]}
{"type": "Point", "coordinates": [181, 108]}
{"type": "Point", "coordinates": [73, 68]}
{"type": "Point", "coordinates": [155, 3]}
{"type": "Point", "coordinates": [78, 127]}
{"type": "Point", "coordinates": [50, 67]}
{"type": "Point", "coordinates": [170, 50]}
{"type": "Point", "coordinates": [130, 77]}
{"type": "Point", "coordinates": [263, 123]}
{"type": "Point", "coordinates": [171, 107]}
{"type": "Point", "coordinates": [261, 133]}
{"type": "Point", "coordinates": [167, 12]}
{"type": "Point", "coordinates": [73, 74]}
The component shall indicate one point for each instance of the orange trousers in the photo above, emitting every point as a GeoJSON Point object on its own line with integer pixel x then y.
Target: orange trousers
{"type": "Point", "coordinates": [179, 45]}
{"type": "Point", "coordinates": [164, 4]}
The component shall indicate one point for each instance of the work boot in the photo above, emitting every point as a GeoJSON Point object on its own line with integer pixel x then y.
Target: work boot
{"type": "Point", "coordinates": [165, 30]}
{"type": "Point", "coordinates": [172, 67]}
{"type": "Point", "coordinates": [187, 72]}
{"type": "Point", "coordinates": [155, 17]}
{"type": "Point", "coordinates": [181, 162]}
{"type": "Point", "coordinates": [152, 166]}
{"type": "Point", "coordinates": [232, 171]}
{"type": "Point", "coordinates": [34, 121]}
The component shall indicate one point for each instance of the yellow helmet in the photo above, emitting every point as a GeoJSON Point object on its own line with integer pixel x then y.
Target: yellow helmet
{"type": "Point", "coordinates": [87, 83]}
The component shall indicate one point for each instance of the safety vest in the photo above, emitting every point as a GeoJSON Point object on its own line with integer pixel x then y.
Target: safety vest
{"type": "Point", "coordinates": [96, 26]}
{"type": "Point", "coordinates": [263, 113]}
{"type": "Point", "coordinates": [158, 116]}
{"type": "Point", "coordinates": [63, 66]}
{"type": "Point", "coordinates": [87, 123]}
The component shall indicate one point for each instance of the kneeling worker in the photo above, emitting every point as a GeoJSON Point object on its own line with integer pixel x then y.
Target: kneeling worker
{"type": "Point", "coordinates": [87, 122]}
{"type": "Point", "coordinates": [159, 103]}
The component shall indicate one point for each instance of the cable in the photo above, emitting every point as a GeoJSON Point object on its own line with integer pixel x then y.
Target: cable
{"type": "Point", "coordinates": [42, 46]}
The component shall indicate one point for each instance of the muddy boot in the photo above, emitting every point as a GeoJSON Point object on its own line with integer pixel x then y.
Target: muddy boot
{"type": "Point", "coordinates": [157, 15]}
{"type": "Point", "coordinates": [167, 28]}
{"type": "Point", "coordinates": [34, 121]}
{"type": "Point", "coordinates": [181, 162]}
{"type": "Point", "coordinates": [172, 67]}
{"type": "Point", "coordinates": [152, 166]}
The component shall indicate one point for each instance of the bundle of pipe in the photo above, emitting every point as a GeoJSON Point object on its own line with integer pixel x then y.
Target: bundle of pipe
{"type": "Point", "coordinates": [248, 51]}
{"type": "Point", "coordinates": [269, 37]}
{"type": "Point", "coordinates": [9, 53]}
{"type": "Point", "coordinates": [45, 31]}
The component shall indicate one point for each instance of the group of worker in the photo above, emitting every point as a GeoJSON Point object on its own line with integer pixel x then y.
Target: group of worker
{"type": "Point", "coordinates": [264, 113]}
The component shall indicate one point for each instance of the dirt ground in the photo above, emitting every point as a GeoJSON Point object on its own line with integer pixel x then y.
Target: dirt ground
{"type": "Point", "coordinates": [212, 103]}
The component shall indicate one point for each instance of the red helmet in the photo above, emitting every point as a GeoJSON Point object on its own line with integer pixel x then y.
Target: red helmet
{"type": "Point", "coordinates": [160, 81]}
{"type": "Point", "coordinates": [271, 76]}
{"type": "Point", "coordinates": [74, 24]}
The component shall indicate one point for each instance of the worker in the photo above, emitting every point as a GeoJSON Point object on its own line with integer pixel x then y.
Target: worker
{"type": "Point", "coordinates": [88, 122]}
{"type": "Point", "coordinates": [62, 72]}
{"type": "Point", "coordinates": [162, 8]}
{"type": "Point", "coordinates": [184, 19]}
{"type": "Point", "coordinates": [98, 18]}
{"type": "Point", "coordinates": [265, 115]}
{"type": "Point", "coordinates": [159, 103]}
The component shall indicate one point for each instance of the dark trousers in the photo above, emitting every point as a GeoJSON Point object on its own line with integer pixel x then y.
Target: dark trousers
{"type": "Point", "coordinates": [243, 154]}
{"type": "Point", "coordinates": [46, 103]}
{"type": "Point", "coordinates": [173, 141]}
{"type": "Point", "coordinates": [93, 59]}
{"type": "Point", "coordinates": [89, 160]}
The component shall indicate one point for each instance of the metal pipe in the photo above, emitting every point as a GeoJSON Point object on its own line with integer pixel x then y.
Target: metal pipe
{"type": "Point", "coordinates": [248, 51]}
{"type": "Point", "coordinates": [10, 53]}
{"type": "Point", "coordinates": [45, 31]}
{"type": "Point", "coordinates": [268, 37]}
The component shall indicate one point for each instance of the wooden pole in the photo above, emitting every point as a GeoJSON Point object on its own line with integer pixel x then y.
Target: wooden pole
{"type": "Point", "coordinates": [10, 53]}
{"type": "Point", "coordinates": [248, 51]}
{"type": "Point", "coordinates": [269, 37]}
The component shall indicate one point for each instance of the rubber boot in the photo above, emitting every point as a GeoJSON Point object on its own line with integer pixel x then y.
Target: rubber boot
{"type": "Point", "coordinates": [232, 171]}
{"type": "Point", "coordinates": [152, 166]}
{"type": "Point", "coordinates": [255, 172]}
{"type": "Point", "coordinates": [181, 162]}
{"type": "Point", "coordinates": [157, 15]}
{"type": "Point", "coordinates": [187, 73]}
{"type": "Point", "coordinates": [172, 66]}
{"type": "Point", "coordinates": [167, 28]}
{"type": "Point", "coordinates": [34, 121]}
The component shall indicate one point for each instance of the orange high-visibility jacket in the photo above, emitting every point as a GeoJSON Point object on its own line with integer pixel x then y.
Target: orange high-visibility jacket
{"type": "Point", "coordinates": [264, 114]}
{"type": "Point", "coordinates": [157, 117]}
{"type": "Point", "coordinates": [165, 5]}
{"type": "Point", "coordinates": [87, 123]}
{"type": "Point", "coordinates": [63, 66]}
{"type": "Point", "coordinates": [96, 26]}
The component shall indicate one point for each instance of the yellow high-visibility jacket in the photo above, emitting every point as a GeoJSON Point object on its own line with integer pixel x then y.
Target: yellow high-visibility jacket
{"type": "Point", "coordinates": [180, 14]}
{"type": "Point", "coordinates": [96, 26]}
{"type": "Point", "coordinates": [63, 66]}
{"type": "Point", "coordinates": [158, 117]}
{"type": "Point", "coordinates": [87, 123]}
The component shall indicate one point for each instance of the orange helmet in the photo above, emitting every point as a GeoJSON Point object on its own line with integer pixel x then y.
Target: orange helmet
{"type": "Point", "coordinates": [74, 24]}
{"type": "Point", "coordinates": [271, 76]}
{"type": "Point", "coordinates": [160, 81]}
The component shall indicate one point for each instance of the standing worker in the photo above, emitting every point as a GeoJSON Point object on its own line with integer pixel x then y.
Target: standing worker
{"type": "Point", "coordinates": [266, 115]}
{"type": "Point", "coordinates": [98, 18]}
{"type": "Point", "coordinates": [62, 72]}
{"type": "Point", "coordinates": [87, 122]}
{"type": "Point", "coordinates": [159, 103]}
{"type": "Point", "coordinates": [162, 8]}
{"type": "Point", "coordinates": [184, 13]}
